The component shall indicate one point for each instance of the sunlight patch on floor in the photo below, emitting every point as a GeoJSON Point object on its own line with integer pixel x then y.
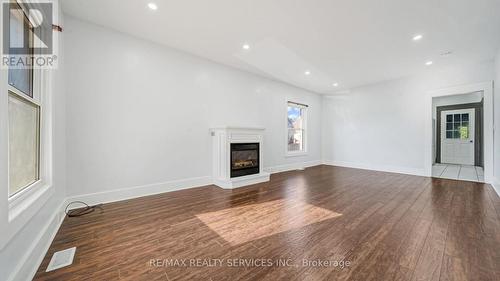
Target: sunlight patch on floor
{"type": "Point", "coordinates": [251, 222]}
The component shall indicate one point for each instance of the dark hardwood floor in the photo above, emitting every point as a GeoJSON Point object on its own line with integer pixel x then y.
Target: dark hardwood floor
{"type": "Point", "coordinates": [384, 226]}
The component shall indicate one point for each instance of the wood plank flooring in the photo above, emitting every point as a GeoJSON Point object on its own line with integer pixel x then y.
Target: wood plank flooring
{"type": "Point", "coordinates": [384, 226]}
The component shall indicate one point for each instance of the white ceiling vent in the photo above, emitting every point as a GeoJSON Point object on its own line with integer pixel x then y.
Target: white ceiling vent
{"type": "Point", "coordinates": [61, 259]}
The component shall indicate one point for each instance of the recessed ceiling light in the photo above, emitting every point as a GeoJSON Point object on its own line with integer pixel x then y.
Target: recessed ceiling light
{"type": "Point", "coordinates": [246, 47]}
{"type": "Point", "coordinates": [429, 63]}
{"type": "Point", "coordinates": [447, 53]}
{"type": "Point", "coordinates": [417, 37]}
{"type": "Point", "coordinates": [307, 72]}
{"type": "Point", "coordinates": [153, 6]}
{"type": "Point", "coordinates": [335, 84]}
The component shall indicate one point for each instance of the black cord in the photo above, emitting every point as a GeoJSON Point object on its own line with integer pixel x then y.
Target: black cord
{"type": "Point", "coordinates": [81, 211]}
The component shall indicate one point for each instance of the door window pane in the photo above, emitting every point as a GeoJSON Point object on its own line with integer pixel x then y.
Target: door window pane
{"type": "Point", "coordinates": [457, 126]}
{"type": "Point", "coordinates": [24, 146]}
{"type": "Point", "coordinates": [464, 132]}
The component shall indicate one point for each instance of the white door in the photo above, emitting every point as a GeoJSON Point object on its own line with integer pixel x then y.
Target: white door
{"type": "Point", "coordinates": [457, 136]}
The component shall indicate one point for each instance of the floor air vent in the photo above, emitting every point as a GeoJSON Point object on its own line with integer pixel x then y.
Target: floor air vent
{"type": "Point", "coordinates": [61, 259]}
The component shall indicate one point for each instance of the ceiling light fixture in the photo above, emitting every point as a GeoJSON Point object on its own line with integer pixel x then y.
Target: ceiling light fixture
{"type": "Point", "coordinates": [429, 63]}
{"type": "Point", "coordinates": [335, 84]}
{"type": "Point", "coordinates": [307, 72]}
{"type": "Point", "coordinates": [246, 47]}
{"type": "Point", "coordinates": [417, 37]}
{"type": "Point", "coordinates": [445, 54]}
{"type": "Point", "coordinates": [152, 6]}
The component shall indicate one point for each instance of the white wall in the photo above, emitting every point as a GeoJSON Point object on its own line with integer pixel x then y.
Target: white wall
{"type": "Point", "coordinates": [139, 113]}
{"type": "Point", "coordinates": [455, 99]}
{"type": "Point", "coordinates": [382, 126]}
{"type": "Point", "coordinates": [496, 100]}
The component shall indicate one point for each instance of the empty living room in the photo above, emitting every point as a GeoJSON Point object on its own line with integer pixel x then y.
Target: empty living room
{"type": "Point", "coordinates": [249, 140]}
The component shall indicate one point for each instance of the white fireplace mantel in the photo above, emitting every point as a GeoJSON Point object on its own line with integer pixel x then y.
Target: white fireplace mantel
{"type": "Point", "coordinates": [221, 148]}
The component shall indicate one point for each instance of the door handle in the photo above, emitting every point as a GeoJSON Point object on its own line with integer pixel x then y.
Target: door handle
{"type": "Point", "coordinates": [471, 141]}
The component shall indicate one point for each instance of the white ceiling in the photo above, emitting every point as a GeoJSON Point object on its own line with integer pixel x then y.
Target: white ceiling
{"type": "Point", "coordinates": [351, 42]}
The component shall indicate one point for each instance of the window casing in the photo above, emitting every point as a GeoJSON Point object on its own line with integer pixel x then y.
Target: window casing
{"type": "Point", "coordinates": [296, 129]}
{"type": "Point", "coordinates": [24, 86]}
{"type": "Point", "coordinates": [18, 209]}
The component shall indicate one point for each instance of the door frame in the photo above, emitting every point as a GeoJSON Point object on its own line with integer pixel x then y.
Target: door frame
{"type": "Point", "coordinates": [478, 129]}
{"type": "Point", "coordinates": [488, 123]}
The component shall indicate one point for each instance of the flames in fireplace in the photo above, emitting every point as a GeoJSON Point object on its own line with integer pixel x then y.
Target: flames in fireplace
{"type": "Point", "coordinates": [239, 164]}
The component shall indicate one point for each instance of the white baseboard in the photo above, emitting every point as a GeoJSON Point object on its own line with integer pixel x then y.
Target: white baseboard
{"type": "Point", "coordinates": [39, 247]}
{"type": "Point", "coordinates": [381, 168]}
{"type": "Point", "coordinates": [293, 166]}
{"type": "Point", "coordinates": [151, 189]}
{"type": "Point", "coordinates": [138, 191]}
{"type": "Point", "coordinates": [496, 185]}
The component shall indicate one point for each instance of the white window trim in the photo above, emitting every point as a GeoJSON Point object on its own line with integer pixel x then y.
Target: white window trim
{"type": "Point", "coordinates": [41, 97]}
{"type": "Point", "coordinates": [305, 139]}
{"type": "Point", "coordinates": [17, 210]}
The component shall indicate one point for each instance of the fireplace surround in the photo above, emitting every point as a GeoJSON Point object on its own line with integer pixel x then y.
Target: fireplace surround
{"type": "Point", "coordinates": [237, 156]}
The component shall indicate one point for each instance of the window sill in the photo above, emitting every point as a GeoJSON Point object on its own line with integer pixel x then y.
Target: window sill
{"type": "Point", "coordinates": [23, 208]}
{"type": "Point", "coordinates": [295, 154]}
{"type": "Point", "coordinates": [36, 194]}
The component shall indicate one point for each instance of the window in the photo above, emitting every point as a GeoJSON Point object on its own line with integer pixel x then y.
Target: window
{"type": "Point", "coordinates": [296, 128]}
{"type": "Point", "coordinates": [457, 126]}
{"type": "Point", "coordinates": [23, 108]}
{"type": "Point", "coordinates": [20, 28]}
{"type": "Point", "coordinates": [24, 143]}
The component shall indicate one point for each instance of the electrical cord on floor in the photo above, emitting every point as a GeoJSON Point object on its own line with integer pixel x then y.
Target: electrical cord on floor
{"type": "Point", "coordinates": [81, 211]}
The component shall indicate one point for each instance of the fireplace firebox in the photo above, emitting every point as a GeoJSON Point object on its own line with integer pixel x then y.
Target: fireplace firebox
{"type": "Point", "coordinates": [244, 159]}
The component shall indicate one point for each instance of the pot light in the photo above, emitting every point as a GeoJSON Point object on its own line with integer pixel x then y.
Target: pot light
{"type": "Point", "coordinates": [418, 37]}
{"type": "Point", "coordinates": [307, 72]}
{"type": "Point", "coordinates": [152, 6]}
{"type": "Point", "coordinates": [429, 63]}
{"type": "Point", "coordinates": [445, 54]}
{"type": "Point", "coordinates": [335, 84]}
{"type": "Point", "coordinates": [246, 47]}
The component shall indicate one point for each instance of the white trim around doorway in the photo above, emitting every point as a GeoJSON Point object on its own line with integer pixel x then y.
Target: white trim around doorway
{"type": "Point", "coordinates": [487, 89]}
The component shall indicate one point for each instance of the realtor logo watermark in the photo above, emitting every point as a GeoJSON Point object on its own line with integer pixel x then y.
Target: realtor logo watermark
{"type": "Point", "coordinates": [28, 39]}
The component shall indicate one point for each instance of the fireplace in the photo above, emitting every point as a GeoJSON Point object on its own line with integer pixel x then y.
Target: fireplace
{"type": "Point", "coordinates": [244, 159]}
{"type": "Point", "coordinates": [237, 156]}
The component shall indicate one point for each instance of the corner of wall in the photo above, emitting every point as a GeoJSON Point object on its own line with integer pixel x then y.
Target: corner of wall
{"type": "Point", "coordinates": [496, 185]}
